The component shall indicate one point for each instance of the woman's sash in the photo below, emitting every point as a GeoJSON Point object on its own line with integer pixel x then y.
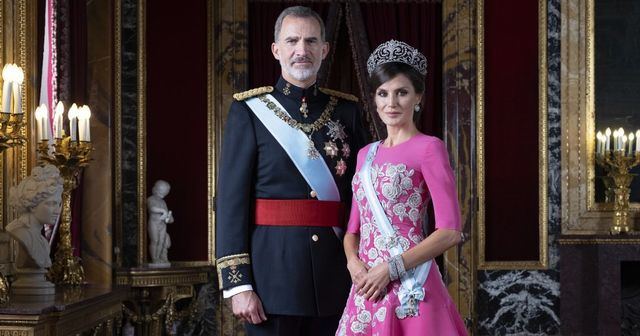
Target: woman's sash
{"type": "Point", "coordinates": [294, 142]}
{"type": "Point", "coordinates": [412, 289]}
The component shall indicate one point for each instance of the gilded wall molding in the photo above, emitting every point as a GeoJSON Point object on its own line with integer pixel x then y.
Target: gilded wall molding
{"type": "Point", "coordinates": [228, 59]}
{"type": "Point", "coordinates": [542, 262]}
{"type": "Point", "coordinates": [459, 63]}
{"type": "Point", "coordinates": [142, 129]}
{"type": "Point", "coordinates": [213, 143]}
{"type": "Point", "coordinates": [580, 213]}
{"type": "Point", "coordinates": [117, 119]}
{"type": "Point", "coordinates": [18, 28]}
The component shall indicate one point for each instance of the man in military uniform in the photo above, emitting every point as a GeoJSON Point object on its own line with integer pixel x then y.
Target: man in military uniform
{"type": "Point", "coordinates": [288, 157]}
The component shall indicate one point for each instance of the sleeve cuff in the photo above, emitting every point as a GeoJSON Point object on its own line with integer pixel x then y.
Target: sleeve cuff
{"type": "Point", "coordinates": [227, 293]}
{"type": "Point", "coordinates": [234, 270]}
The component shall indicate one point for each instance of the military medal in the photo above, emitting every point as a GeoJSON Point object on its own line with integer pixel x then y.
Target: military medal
{"type": "Point", "coordinates": [303, 107]}
{"type": "Point", "coordinates": [341, 167]}
{"type": "Point", "coordinates": [346, 150]}
{"type": "Point", "coordinates": [330, 148]}
{"type": "Point", "coordinates": [312, 152]}
{"type": "Point", "coordinates": [307, 129]}
{"type": "Point", "coordinates": [287, 89]}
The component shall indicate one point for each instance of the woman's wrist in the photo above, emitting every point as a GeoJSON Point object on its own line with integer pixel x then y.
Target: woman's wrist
{"type": "Point", "coordinates": [396, 267]}
{"type": "Point", "coordinates": [352, 257]}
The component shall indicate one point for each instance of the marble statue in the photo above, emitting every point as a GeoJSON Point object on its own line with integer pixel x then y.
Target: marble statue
{"type": "Point", "coordinates": [37, 200]}
{"type": "Point", "coordinates": [159, 217]}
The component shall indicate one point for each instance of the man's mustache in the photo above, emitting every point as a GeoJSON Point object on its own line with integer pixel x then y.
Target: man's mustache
{"type": "Point", "coordinates": [301, 59]}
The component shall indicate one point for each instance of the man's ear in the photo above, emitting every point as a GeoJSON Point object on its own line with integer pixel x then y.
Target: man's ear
{"type": "Point", "coordinates": [325, 49]}
{"type": "Point", "coordinates": [275, 51]}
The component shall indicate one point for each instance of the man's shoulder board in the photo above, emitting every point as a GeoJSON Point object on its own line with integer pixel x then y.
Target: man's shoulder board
{"type": "Point", "coordinates": [339, 94]}
{"type": "Point", "coordinates": [240, 96]}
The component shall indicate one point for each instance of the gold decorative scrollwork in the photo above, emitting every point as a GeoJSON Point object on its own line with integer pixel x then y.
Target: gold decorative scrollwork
{"type": "Point", "coordinates": [167, 310]}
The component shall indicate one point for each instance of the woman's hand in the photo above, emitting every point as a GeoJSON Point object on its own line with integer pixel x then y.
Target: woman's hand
{"type": "Point", "coordinates": [357, 269]}
{"type": "Point", "coordinates": [375, 282]}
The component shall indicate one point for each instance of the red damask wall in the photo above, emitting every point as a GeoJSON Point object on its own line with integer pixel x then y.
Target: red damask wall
{"type": "Point", "coordinates": [177, 119]}
{"type": "Point", "coordinates": [511, 130]}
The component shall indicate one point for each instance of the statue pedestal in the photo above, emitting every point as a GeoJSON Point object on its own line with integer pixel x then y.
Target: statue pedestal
{"type": "Point", "coordinates": [159, 265]}
{"type": "Point", "coordinates": [32, 281]}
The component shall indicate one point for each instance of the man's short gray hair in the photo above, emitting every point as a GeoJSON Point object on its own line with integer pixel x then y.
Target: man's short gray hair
{"type": "Point", "coordinates": [300, 12]}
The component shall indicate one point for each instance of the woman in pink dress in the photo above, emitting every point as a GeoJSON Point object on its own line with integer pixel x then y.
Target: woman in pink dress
{"type": "Point", "coordinates": [397, 289]}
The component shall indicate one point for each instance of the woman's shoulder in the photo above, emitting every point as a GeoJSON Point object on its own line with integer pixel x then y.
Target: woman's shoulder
{"type": "Point", "coordinates": [425, 139]}
{"type": "Point", "coordinates": [364, 150]}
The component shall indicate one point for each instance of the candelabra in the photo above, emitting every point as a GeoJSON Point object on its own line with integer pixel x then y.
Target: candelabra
{"type": "Point", "coordinates": [10, 126]}
{"type": "Point", "coordinates": [70, 157]}
{"type": "Point", "coordinates": [618, 165]}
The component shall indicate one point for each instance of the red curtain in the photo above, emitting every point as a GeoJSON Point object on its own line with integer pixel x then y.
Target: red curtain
{"type": "Point", "coordinates": [419, 25]}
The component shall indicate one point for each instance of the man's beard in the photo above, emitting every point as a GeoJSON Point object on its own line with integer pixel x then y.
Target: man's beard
{"type": "Point", "coordinates": [299, 74]}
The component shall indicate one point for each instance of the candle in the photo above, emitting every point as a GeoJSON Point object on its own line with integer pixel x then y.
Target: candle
{"type": "Point", "coordinates": [623, 143]}
{"type": "Point", "coordinates": [620, 134]}
{"type": "Point", "coordinates": [17, 92]}
{"type": "Point", "coordinates": [73, 122]}
{"type": "Point", "coordinates": [88, 128]}
{"type": "Point", "coordinates": [599, 143]}
{"type": "Point", "coordinates": [40, 115]}
{"type": "Point", "coordinates": [58, 117]}
{"type": "Point", "coordinates": [630, 137]}
{"type": "Point", "coordinates": [615, 140]}
{"type": "Point", "coordinates": [84, 113]}
{"type": "Point", "coordinates": [607, 134]}
{"type": "Point", "coordinates": [637, 139]}
{"type": "Point", "coordinates": [6, 87]}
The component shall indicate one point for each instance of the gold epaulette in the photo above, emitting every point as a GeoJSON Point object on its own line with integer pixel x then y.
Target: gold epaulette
{"type": "Point", "coordinates": [339, 94]}
{"type": "Point", "coordinates": [252, 93]}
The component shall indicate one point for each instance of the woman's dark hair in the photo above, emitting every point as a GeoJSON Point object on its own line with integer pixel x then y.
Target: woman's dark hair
{"type": "Point", "coordinates": [387, 71]}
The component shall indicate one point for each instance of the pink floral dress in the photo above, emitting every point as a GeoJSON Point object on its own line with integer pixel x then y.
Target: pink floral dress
{"type": "Point", "coordinates": [405, 177]}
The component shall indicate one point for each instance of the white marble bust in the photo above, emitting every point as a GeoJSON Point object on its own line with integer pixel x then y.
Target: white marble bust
{"type": "Point", "coordinates": [37, 201]}
{"type": "Point", "coordinates": [159, 217]}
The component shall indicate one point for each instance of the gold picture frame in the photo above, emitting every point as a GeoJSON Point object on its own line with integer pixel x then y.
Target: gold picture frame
{"type": "Point", "coordinates": [542, 262]}
{"type": "Point", "coordinates": [581, 215]}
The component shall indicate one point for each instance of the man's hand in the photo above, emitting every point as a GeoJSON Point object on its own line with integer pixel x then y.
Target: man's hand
{"type": "Point", "coordinates": [247, 307]}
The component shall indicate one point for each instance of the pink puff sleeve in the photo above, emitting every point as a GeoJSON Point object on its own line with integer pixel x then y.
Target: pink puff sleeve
{"type": "Point", "coordinates": [438, 174]}
{"type": "Point", "coordinates": [353, 226]}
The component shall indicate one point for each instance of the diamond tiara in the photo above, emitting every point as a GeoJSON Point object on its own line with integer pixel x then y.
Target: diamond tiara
{"type": "Point", "coordinates": [397, 51]}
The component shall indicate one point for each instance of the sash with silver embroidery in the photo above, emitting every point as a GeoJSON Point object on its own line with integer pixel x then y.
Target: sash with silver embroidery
{"type": "Point", "coordinates": [412, 288]}
{"type": "Point", "coordinates": [294, 141]}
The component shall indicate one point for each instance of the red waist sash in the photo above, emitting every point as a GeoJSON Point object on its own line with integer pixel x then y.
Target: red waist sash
{"type": "Point", "coordinates": [299, 213]}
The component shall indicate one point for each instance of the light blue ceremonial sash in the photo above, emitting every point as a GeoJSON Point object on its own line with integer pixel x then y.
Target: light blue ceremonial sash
{"type": "Point", "coordinates": [294, 142]}
{"type": "Point", "coordinates": [412, 289]}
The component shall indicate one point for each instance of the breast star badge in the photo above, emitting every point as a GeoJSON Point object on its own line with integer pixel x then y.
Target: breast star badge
{"type": "Point", "coordinates": [341, 167]}
{"type": "Point", "coordinates": [330, 148]}
{"type": "Point", "coordinates": [346, 150]}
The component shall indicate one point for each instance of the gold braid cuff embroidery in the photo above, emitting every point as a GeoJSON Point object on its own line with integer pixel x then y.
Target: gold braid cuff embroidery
{"type": "Point", "coordinates": [232, 262]}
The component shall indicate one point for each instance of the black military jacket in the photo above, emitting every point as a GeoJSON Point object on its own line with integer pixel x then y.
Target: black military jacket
{"type": "Point", "coordinates": [294, 270]}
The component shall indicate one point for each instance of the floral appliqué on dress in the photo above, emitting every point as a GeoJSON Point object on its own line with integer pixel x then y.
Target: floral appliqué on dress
{"type": "Point", "coordinates": [402, 193]}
